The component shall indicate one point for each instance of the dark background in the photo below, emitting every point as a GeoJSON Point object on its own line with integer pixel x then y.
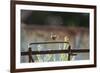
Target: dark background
{"type": "Point", "coordinates": [55, 18]}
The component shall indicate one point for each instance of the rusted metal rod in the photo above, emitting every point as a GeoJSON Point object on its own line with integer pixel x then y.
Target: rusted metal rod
{"type": "Point", "coordinates": [56, 51]}
{"type": "Point", "coordinates": [30, 55]}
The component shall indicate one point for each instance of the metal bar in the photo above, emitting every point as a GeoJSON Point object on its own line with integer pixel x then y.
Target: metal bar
{"type": "Point", "coordinates": [30, 55]}
{"type": "Point", "coordinates": [56, 51]}
{"type": "Point", "coordinates": [47, 43]}
{"type": "Point", "coordinates": [69, 53]}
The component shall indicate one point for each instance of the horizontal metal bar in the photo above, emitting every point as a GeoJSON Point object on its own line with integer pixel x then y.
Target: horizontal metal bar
{"type": "Point", "coordinates": [46, 43]}
{"type": "Point", "coordinates": [56, 51]}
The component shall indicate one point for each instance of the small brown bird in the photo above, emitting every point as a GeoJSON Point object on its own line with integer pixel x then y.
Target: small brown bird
{"type": "Point", "coordinates": [53, 36]}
